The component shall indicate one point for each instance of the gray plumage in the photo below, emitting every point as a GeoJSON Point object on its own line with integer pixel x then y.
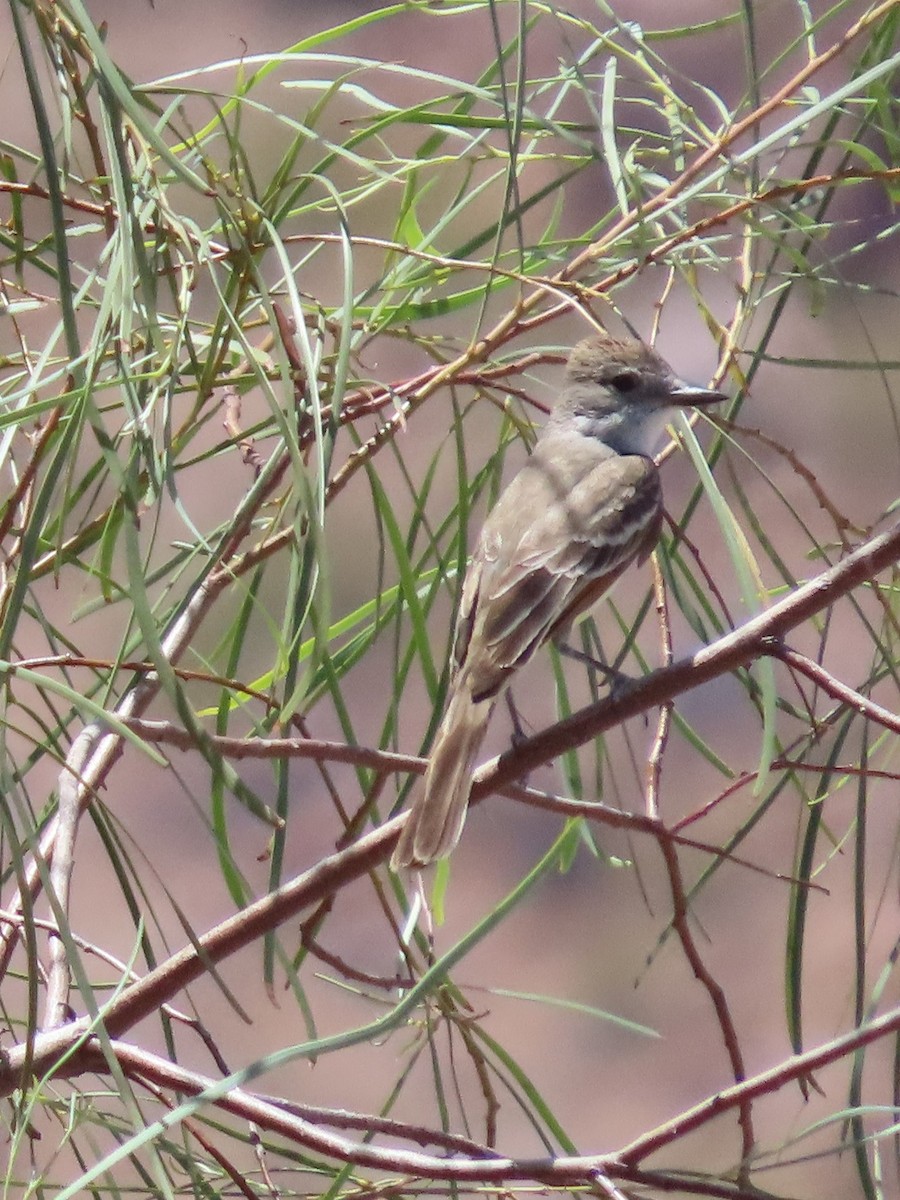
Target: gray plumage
{"type": "Point", "coordinates": [585, 506]}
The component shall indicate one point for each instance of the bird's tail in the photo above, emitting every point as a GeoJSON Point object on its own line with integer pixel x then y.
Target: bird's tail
{"type": "Point", "coordinates": [438, 812]}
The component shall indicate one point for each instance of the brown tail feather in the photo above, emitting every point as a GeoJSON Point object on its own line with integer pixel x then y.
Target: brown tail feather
{"type": "Point", "coordinates": [438, 812]}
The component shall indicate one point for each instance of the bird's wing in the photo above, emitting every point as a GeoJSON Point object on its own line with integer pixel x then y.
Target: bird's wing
{"type": "Point", "coordinates": [468, 606]}
{"type": "Point", "coordinates": [518, 595]}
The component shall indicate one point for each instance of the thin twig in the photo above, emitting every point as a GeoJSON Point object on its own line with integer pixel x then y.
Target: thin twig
{"type": "Point", "coordinates": [386, 983]}
{"type": "Point", "coordinates": [40, 445]}
{"type": "Point", "coordinates": [481, 1165]}
{"type": "Point", "coordinates": [56, 1010]}
{"type": "Point", "coordinates": [843, 525]}
{"type": "Point", "coordinates": [98, 750]}
{"type": "Point", "coordinates": [664, 720]}
{"type": "Point", "coordinates": [713, 988]}
{"type": "Point", "coordinates": [338, 870]}
{"type": "Point", "coordinates": [833, 687]}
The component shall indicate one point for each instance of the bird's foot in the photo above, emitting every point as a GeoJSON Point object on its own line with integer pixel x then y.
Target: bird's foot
{"type": "Point", "coordinates": [616, 680]}
{"type": "Point", "coordinates": [519, 733]}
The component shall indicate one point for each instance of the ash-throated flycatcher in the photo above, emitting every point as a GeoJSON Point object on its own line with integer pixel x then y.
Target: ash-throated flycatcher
{"type": "Point", "coordinates": [586, 504]}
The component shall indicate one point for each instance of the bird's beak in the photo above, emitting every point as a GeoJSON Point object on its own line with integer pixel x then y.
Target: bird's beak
{"type": "Point", "coordinates": [687, 396]}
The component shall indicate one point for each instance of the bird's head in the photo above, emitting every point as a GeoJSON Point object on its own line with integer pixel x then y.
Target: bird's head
{"type": "Point", "coordinates": [623, 393]}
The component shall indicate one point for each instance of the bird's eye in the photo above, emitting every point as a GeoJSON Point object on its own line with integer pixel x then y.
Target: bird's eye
{"type": "Point", "coordinates": [625, 381]}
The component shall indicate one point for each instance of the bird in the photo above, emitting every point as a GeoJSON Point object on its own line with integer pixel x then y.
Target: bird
{"type": "Point", "coordinates": [586, 504]}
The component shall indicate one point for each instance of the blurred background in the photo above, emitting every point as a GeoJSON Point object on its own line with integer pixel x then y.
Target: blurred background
{"type": "Point", "coordinates": [817, 293]}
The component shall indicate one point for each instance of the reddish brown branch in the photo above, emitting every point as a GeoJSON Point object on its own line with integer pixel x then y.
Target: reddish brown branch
{"type": "Point", "coordinates": [713, 989]}
{"type": "Point", "coordinates": [834, 688]}
{"type": "Point", "coordinates": [758, 636]}
{"type": "Point", "coordinates": [41, 443]}
{"type": "Point", "coordinates": [478, 1163]}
